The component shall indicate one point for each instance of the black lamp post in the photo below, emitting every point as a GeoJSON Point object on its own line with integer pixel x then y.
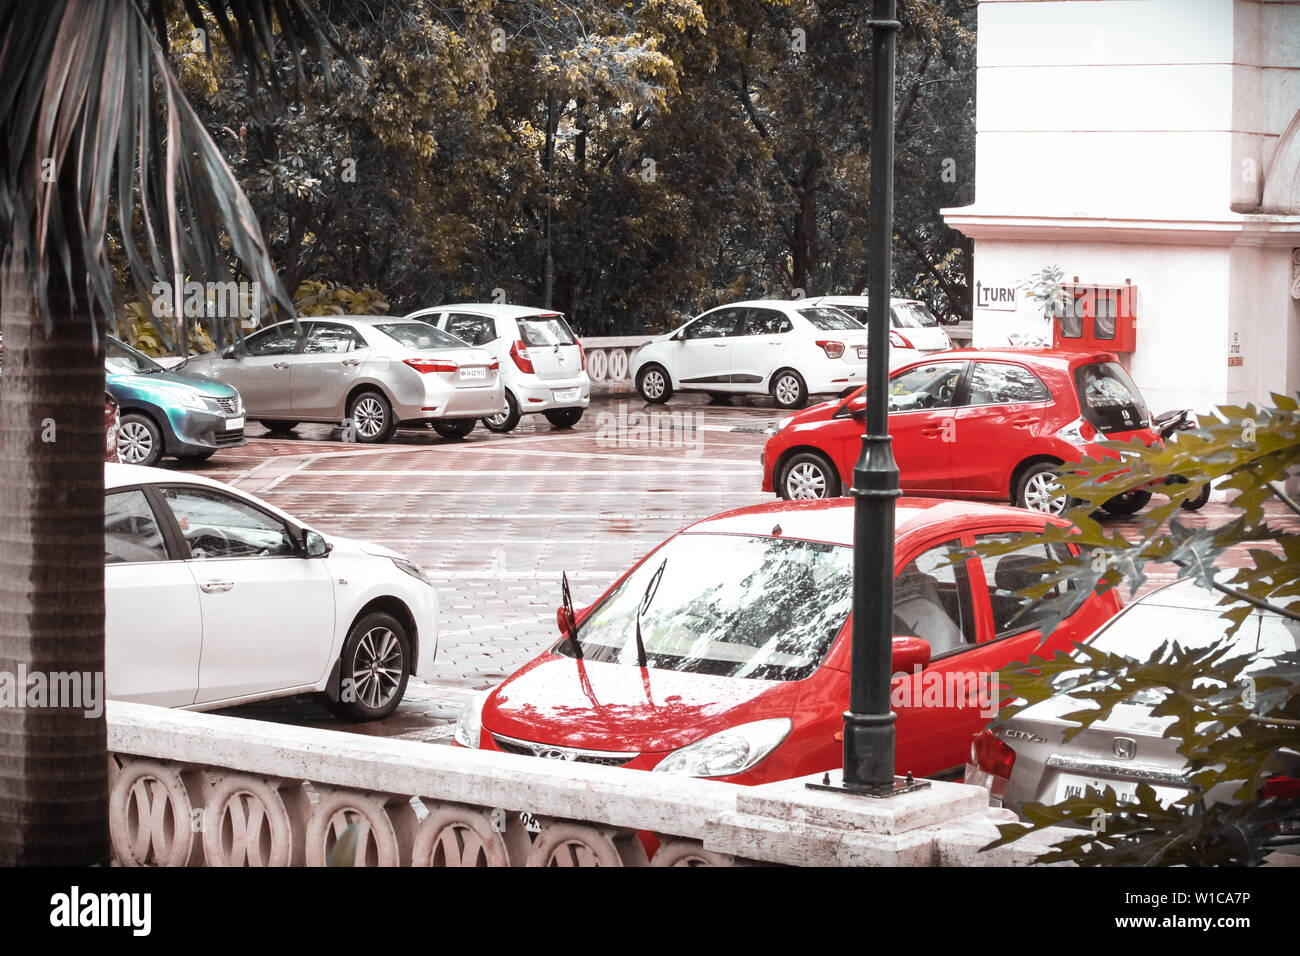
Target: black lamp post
{"type": "Point", "coordinates": [869, 722]}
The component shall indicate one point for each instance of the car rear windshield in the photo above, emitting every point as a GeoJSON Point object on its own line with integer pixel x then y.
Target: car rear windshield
{"type": "Point", "coordinates": [546, 330]}
{"type": "Point", "coordinates": [913, 315]}
{"type": "Point", "coordinates": [1109, 399]}
{"type": "Point", "coordinates": [830, 320]}
{"type": "Point", "coordinates": [420, 336]}
{"type": "Point", "coordinates": [726, 605]}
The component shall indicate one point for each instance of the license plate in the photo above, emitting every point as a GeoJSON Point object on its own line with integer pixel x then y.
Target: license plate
{"type": "Point", "coordinates": [1072, 787]}
{"type": "Point", "coordinates": [567, 395]}
{"type": "Point", "coordinates": [862, 351]}
{"type": "Point", "coordinates": [233, 423]}
{"type": "Point", "coordinates": [477, 373]}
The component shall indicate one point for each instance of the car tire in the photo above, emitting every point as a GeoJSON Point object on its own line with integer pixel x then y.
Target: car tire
{"type": "Point", "coordinates": [1033, 490]}
{"type": "Point", "coordinates": [1199, 502]}
{"type": "Point", "coordinates": [371, 418]}
{"type": "Point", "coordinates": [654, 384]}
{"type": "Point", "coordinates": [376, 649]}
{"type": "Point", "coordinates": [1129, 503]}
{"type": "Point", "coordinates": [278, 428]}
{"type": "Point", "coordinates": [789, 390]}
{"type": "Point", "coordinates": [139, 440]}
{"type": "Point", "coordinates": [564, 417]}
{"type": "Point", "coordinates": [454, 428]}
{"type": "Point", "coordinates": [507, 420]}
{"type": "Point", "coordinates": [808, 475]}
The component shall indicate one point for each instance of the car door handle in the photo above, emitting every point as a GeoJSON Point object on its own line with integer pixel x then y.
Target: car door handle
{"type": "Point", "coordinates": [351, 362]}
{"type": "Point", "coordinates": [279, 365]}
{"type": "Point", "coordinates": [931, 432]}
{"type": "Point", "coordinates": [1024, 422]}
{"type": "Point", "coordinates": [212, 587]}
{"type": "Point", "coordinates": [719, 345]}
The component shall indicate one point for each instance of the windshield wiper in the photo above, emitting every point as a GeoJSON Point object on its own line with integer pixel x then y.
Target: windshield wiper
{"type": "Point", "coordinates": [650, 591]}
{"type": "Point", "coordinates": [570, 619]}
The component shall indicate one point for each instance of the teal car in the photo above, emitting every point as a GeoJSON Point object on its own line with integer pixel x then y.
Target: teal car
{"type": "Point", "coordinates": [167, 413]}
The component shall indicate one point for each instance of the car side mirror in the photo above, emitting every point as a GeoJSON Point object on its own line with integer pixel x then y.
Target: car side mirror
{"type": "Point", "coordinates": [678, 336]}
{"type": "Point", "coordinates": [855, 408]}
{"type": "Point", "coordinates": [232, 353]}
{"type": "Point", "coordinates": [314, 545]}
{"type": "Point", "coordinates": [909, 653]}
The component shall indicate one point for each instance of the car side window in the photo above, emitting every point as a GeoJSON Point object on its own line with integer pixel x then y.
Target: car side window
{"type": "Point", "coordinates": [765, 322]}
{"type": "Point", "coordinates": [715, 325]}
{"type": "Point", "coordinates": [279, 339]}
{"type": "Point", "coordinates": [933, 601]}
{"type": "Point", "coordinates": [327, 337]}
{"type": "Point", "coordinates": [997, 383]}
{"type": "Point", "coordinates": [930, 386]}
{"type": "Point", "coordinates": [131, 531]}
{"type": "Point", "coordinates": [472, 329]}
{"type": "Point", "coordinates": [1005, 575]}
{"type": "Point", "coordinates": [218, 525]}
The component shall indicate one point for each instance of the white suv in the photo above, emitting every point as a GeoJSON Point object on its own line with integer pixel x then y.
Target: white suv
{"type": "Point", "coordinates": [914, 331]}
{"type": "Point", "coordinates": [790, 349]}
{"type": "Point", "coordinates": [542, 363]}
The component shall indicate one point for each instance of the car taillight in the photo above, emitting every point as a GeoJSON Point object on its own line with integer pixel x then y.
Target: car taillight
{"type": "Point", "coordinates": [1078, 432]}
{"type": "Point", "coordinates": [424, 366]}
{"type": "Point", "coordinates": [832, 349]}
{"type": "Point", "coordinates": [496, 364]}
{"type": "Point", "coordinates": [990, 764]}
{"type": "Point", "coordinates": [898, 340]}
{"type": "Point", "coordinates": [519, 355]}
{"type": "Point", "coordinates": [582, 357]}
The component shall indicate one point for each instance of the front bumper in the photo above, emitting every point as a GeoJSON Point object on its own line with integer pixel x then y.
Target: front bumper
{"type": "Point", "coordinates": [194, 432]}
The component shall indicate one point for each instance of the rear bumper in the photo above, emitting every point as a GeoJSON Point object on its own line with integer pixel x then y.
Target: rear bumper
{"type": "Point", "coordinates": [540, 395]}
{"type": "Point", "coordinates": [443, 399]}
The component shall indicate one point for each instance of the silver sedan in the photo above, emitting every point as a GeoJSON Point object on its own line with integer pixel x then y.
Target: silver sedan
{"type": "Point", "coordinates": [369, 372]}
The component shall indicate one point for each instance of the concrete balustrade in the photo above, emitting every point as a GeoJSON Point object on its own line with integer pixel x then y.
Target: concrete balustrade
{"type": "Point", "coordinates": [192, 789]}
{"type": "Point", "coordinates": [609, 360]}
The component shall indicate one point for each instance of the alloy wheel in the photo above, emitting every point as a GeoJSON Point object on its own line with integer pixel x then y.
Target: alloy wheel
{"type": "Point", "coordinates": [377, 667]}
{"type": "Point", "coordinates": [787, 390]}
{"type": "Point", "coordinates": [368, 417]}
{"type": "Point", "coordinates": [134, 443]}
{"type": "Point", "coordinates": [653, 383]}
{"type": "Point", "coordinates": [1044, 493]}
{"type": "Point", "coordinates": [805, 480]}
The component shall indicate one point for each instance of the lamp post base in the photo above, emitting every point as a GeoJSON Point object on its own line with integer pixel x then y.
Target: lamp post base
{"type": "Point", "coordinates": [901, 785]}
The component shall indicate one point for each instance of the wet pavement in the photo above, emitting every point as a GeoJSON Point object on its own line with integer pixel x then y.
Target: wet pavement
{"type": "Point", "coordinates": [494, 519]}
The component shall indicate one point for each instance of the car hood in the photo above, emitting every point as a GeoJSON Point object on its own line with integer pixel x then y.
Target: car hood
{"type": "Point", "coordinates": [153, 379]}
{"type": "Point", "coordinates": [622, 708]}
{"type": "Point", "coordinates": [358, 546]}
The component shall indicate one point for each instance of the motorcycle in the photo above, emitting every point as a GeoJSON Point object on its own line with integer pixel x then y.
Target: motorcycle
{"type": "Point", "coordinates": [1167, 424]}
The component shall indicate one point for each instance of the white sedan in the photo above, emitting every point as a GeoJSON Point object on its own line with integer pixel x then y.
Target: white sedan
{"type": "Point", "coordinates": [215, 598]}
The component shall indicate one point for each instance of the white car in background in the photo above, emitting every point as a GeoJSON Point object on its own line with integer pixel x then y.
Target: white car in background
{"type": "Point", "coordinates": [215, 598]}
{"type": "Point", "coordinates": [914, 331]}
{"type": "Point", "coordinates": [541, 360]}
{"type": "Point", "coordinates": [788, 349]}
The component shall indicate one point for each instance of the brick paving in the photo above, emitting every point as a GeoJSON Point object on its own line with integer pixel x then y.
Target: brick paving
{"type": "Point", "coordinates": [495, 519]}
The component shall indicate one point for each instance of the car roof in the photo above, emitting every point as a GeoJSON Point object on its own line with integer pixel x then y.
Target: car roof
{"type": "Point", "coordinates": [117, 475]}
{"type": "Point", "coordinates": [1053, 358]}
{"type": "Point", "coordinates": [831, 520]}
{"type": "Point", "coordinates": [500, 309]}
{"type": "Point", "coordinates": [860, 300]}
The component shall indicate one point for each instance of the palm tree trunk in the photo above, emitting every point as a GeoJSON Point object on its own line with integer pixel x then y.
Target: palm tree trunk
{"type": "Point", "coordinates": [53, 759]}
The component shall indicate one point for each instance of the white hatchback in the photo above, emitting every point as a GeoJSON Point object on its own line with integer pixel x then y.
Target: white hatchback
{"type": "Point", "coordinates": [787, 348]}
{"type": "Point", "coordinates": [214, 597]}
{"type": "Point", "coordinates": [914, 331]}
{"type": "Point", "coordinates": [541, 360]}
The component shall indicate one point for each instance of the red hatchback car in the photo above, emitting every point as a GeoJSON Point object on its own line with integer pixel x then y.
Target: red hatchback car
{"type": "Point", "coordinates": [990, 424]}
{"type": "Point", "coordinates": [724, 653]}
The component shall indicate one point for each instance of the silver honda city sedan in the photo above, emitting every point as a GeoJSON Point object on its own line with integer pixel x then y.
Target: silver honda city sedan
{"type": "Point", "coordinates": [369, 372]}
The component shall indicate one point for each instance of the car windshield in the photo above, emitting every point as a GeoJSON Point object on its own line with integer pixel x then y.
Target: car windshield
{"type": "Point", "coordinates": [420, 335]}
{"type": "Point", "coordinates": [727, 605]}
{"type": "Point", "coordinates": [913, 315]}
{"type": "Point", "coordinates": [1109, 399]}
{"type": "Point", "coordinates": [121, 359]}
{"type": "Point", "coordinates": [830, 320]}
{"type": "Point", "coordinates": [547, 329]}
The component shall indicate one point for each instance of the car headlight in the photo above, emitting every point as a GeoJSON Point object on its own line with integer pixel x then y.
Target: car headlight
{"type": "Point", "coordinates": [469, 726]}
{"type": "Point", "coordinates": [730, 751]}
{"type": "Point", "coordinates": [188, 397]}
{"type": "Point", "coordinates": [413, 569]}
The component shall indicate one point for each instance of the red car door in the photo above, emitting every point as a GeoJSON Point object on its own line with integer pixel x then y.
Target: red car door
{"type": "Point", "coordinates": [1002, 406]}
{"type": "Point", "coordinates": [921, 409]}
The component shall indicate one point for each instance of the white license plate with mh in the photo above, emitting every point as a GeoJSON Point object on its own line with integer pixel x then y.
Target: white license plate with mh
{"type": "Point", "coordinates": [233, 423]}
{"type": "Point", "coordinates": [1072, 787]}
{"type": "Point", "coordinates": [567, 395]}
{"type": "Point", "coordinates": [862, 351]}
{"type": "Point", "coordinates": [473, 373]}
